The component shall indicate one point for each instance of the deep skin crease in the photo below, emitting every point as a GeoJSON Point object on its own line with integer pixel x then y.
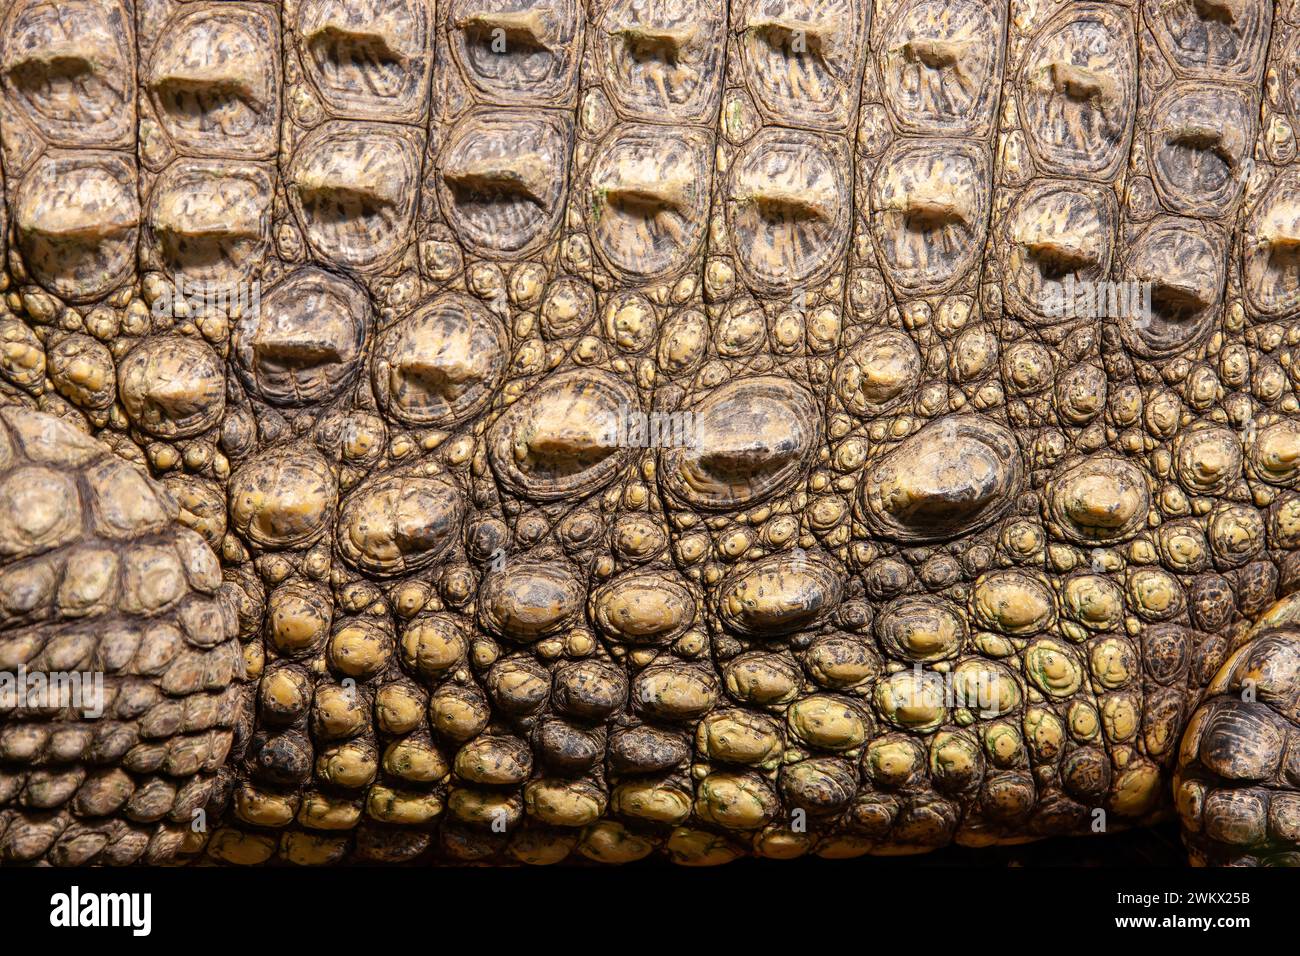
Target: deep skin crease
{"type": "Point", "coordinates": [328, 335]}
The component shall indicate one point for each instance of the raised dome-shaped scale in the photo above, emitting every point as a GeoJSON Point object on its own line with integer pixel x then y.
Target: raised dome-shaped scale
{"type": "Point", "coordinates": [122, 671]}
{"type": "Point", "coordinates": [597, 430]}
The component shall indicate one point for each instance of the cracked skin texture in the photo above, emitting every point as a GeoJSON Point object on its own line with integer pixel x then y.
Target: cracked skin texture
{"type": "Point", "coordinates": [622, 429]}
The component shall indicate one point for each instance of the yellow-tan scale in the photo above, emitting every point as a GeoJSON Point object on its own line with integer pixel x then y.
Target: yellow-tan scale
{"type": "Point", "coordinates": [1064, 141]}
{"type": "Point", "coordinates": [1237, 412]}
{"type": "Point", "coordinates": [524, 756]}
{"type": "Point", "coordinates": [1175, 405]}
{"type": "Point", "coordinates": [650, 78]}
{"type": "Point", "coordinates": [335, 504]}
{"type": "Point", "coordinates": [114, 607]}
{"type": "Point", "coordinates": [738, 498]}
{"type": "Point", "coordinates": [924, 563]}
{"type": "Point", "coordinates": [98, 577]}
{"type": "Point", "coordinates": [918, 431]}
{"type": "Point", "coordinates": [73, 210]}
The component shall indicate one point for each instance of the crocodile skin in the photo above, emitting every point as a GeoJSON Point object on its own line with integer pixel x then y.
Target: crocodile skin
{"type": "Point", "coordinates": [637, 427]}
